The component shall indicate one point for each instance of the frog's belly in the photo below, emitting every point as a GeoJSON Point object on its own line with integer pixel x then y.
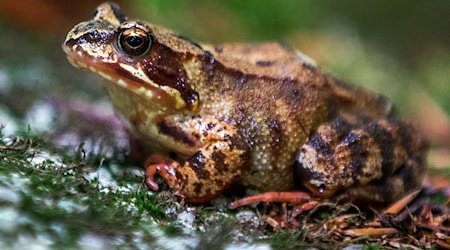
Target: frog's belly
{"type": "Point", "coordinates": [266, 174]}
{"type": "Point", "coordinates": [270, 166]}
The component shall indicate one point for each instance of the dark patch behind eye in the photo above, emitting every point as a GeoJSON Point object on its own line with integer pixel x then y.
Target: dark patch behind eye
{"type": "Point", "coordinates": [172, 130]}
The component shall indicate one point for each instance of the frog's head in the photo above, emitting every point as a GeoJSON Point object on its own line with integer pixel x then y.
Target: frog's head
{"type": "Point", "coordinates": [137, 57]}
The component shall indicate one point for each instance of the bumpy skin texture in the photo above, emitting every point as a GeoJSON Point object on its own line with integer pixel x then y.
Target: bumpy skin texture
{"type": "Point", "coordinates": [257, 114]}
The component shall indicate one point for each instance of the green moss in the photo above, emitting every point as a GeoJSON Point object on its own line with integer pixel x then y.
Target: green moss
{"type": "Point", "coordinates": [59, 202]}
{"type": "Point", "coordinates": [146, 202]}
{"type": "Point", "coordinates": [172, 229]}
{"type": "Point", "coordinates": [372, 247]}
{"type": "Point", "coordinates": [283, 239]}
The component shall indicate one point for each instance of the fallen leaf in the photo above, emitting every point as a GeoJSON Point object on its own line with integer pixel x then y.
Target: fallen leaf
{"type": "Point", "coordinates": [401, 204]}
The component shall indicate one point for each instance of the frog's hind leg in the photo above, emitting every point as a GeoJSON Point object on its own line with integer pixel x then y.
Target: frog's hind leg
{"type": "Point", "coordinates": [365, 159]}
{"type": "Point", "coordinates": [408, 151]}
{"type": "Point", "coordinates": [294, 198]}
{"type": "Point", "coordinates": [387, 190]}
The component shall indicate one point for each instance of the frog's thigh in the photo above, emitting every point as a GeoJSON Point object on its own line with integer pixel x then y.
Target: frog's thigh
{"type": "Point", "coordinates": [359, 156]}
{"type": "Point", "coordinates": [406, 178]}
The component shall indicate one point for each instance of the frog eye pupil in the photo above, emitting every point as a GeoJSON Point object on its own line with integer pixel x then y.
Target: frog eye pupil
{"type": "Point", "coordinates": [134, 42]}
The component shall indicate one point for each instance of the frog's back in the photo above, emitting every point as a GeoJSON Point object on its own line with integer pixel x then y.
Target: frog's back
{"type": "Point", "coordinates": [263, 59]}
{"type": "Point", "coordinates": [275, 61]}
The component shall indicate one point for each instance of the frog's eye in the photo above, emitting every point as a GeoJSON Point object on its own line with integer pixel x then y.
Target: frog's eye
{"type": "Point", "coordinates": [134, 41]}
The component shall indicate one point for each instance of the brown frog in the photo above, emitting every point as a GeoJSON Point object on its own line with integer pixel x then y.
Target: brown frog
{"type": "Point", "coordinates": [260, 115]}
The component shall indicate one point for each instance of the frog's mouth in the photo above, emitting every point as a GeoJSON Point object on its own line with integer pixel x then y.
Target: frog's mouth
{"type": "Point", "coordinates": [128, 77]}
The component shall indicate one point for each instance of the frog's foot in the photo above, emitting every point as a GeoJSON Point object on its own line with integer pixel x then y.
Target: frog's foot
{"type": "Point", "coordinates": [163, 166]}
{"type": "Point", "coordinates": [294, 198]}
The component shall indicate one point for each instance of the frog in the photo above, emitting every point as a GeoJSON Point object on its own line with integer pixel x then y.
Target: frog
{"type": "Point", "coordinates": [258, 115]}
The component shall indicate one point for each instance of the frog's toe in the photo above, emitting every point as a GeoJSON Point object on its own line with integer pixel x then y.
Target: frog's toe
{"type": "Point", "coordinates": [150, 172]}
{"type": "Point", "coordinates": [164, 167]}
{"type": "Point", "coordinates": [294, 198]}
{"type": "Point", "coordinates": [155, 164]}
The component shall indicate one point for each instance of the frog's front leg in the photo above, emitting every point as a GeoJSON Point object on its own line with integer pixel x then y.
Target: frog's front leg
{"type": "Point", "coordinates": [213, 167]}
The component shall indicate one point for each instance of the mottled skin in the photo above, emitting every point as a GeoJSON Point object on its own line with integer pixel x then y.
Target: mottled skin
{"type": "Point", "coordinates": [257, 114]}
